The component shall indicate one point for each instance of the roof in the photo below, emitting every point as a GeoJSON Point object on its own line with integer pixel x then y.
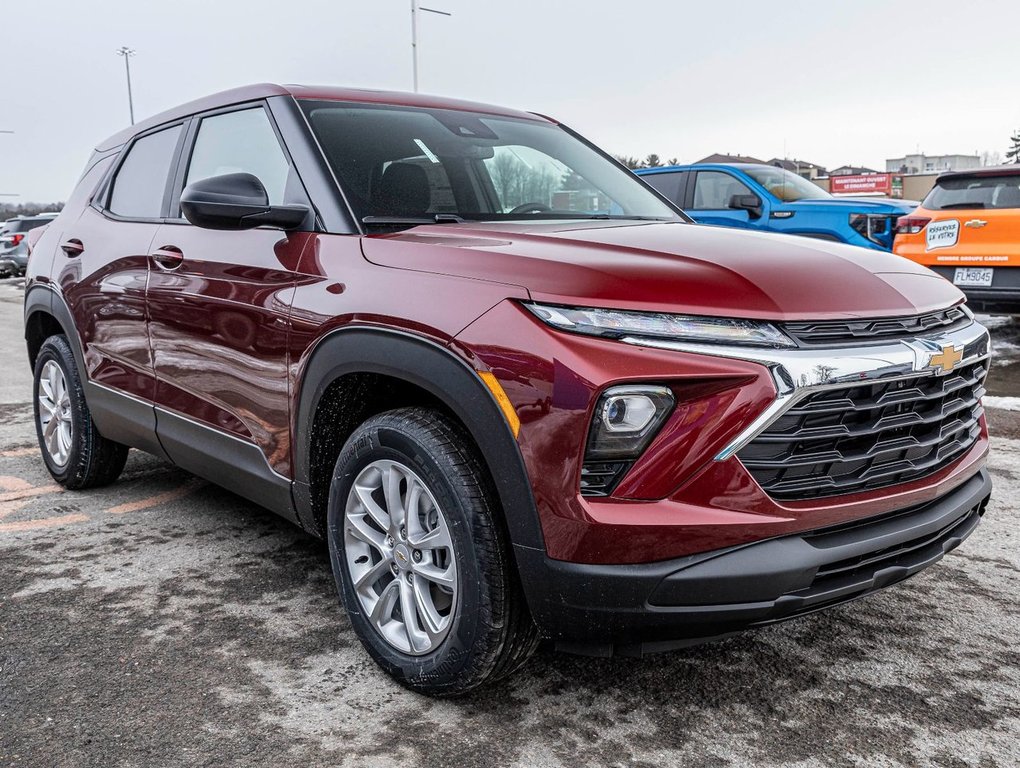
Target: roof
{"type": "Point", "coordinates": [852, 170]}
{"type": "Point", "coordinates": [726, 159]}
{"type": "Point", "coordinates": [794, 165]}
{"type": "Point", "coordinates": [323, 92]}
{"type": "Point", "coordinates": [699, 165]}
{"type": "Point", "coordinates": [1012, 169]}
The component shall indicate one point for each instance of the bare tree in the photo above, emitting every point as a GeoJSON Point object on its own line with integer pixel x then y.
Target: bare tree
{"type": "Point", "coordinates": [10, 210]}
{"type": "Point", "coordinates": [517, 184]}
{"type": "Point", "coordinates": [988, 157]}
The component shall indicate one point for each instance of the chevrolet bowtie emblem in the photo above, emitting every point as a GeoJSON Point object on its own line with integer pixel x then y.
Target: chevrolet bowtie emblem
{"type": "Point", "coordinates": [976, 223]}
{"type": "Point", "coordinates": [946, 360]}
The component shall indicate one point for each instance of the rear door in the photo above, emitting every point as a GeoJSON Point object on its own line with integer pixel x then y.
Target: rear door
{"type": "Point", "coordinates": [218, 304]}
{"type": "Point", "coordinates": [103, 265]}
{"type": "Point", "coordinates": [672, 185]}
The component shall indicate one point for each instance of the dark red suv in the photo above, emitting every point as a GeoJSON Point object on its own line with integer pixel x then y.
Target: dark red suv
{"type": "Point", "coordinates": [517, 391]}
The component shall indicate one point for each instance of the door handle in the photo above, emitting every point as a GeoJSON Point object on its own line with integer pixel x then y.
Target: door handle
{"type": "Point", "coordinates": [169, 257]}
{"type": "Point", "coordinates": [72, 248]}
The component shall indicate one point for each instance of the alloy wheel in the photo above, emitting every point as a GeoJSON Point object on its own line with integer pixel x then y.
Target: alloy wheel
{"type": "Point", "coordinates": [55, 413]}
{"type": "Point", "coordinates": [400, 557]}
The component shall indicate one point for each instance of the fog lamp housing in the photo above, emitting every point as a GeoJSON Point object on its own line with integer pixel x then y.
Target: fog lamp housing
{"type": "Point", "coordinates": [626, 419]}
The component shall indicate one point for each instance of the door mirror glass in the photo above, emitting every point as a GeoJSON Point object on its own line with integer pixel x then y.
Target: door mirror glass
{"type": "Point", "coordinates": [236, 201]}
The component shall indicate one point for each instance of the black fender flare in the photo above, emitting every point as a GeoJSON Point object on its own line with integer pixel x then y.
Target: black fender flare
{"type": "Point", "coordinates": [42, 297]}
{"type": "Point", "coordinates": [435, 369]}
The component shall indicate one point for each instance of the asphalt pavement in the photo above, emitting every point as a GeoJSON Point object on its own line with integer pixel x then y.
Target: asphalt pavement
{"type": "Point", "coordinates": [164, 622]}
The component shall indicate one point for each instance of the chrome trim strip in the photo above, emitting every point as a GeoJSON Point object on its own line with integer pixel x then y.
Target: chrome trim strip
{"type": "Point", "coordinates": [798, 373]}
{"type": "Point", "coordinates": [120, 393]}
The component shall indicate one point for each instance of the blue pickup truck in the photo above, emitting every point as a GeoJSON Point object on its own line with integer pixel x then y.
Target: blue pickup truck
{"type": "Point", "coordinates": [773, 199]}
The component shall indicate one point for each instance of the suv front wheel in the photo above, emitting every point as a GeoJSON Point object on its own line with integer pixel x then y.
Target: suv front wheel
{"type": "Point", "coordinates": [420, 557]}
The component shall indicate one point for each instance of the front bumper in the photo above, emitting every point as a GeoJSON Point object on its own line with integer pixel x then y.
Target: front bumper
{"type": "Point", "coordinates": [637, 609]}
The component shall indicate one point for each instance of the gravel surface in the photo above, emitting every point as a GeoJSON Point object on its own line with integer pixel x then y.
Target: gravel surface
{"type": "Point", "coordinates": [165, 622]}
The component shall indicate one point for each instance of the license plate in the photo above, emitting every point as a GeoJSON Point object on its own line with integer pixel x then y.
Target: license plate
{"type": "Point", "coordinates": [942, 234]}
{"type": "Point", "coordinates": [978, 276]}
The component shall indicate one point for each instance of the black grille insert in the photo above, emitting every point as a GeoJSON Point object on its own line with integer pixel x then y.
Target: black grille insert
{"type": "Point", "coordinates": [871, 436]}
{"type": "Point", "coordinates": [818, 333]}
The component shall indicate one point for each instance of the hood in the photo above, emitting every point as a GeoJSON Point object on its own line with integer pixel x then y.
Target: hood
{"type": "Point", "coordinates": [854, 205]}
{"type": "Point", "coordinates": [672, 266]}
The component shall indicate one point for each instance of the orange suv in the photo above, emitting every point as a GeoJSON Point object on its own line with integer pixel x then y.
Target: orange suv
{"type": "Point", "coordinates": [968, 230]}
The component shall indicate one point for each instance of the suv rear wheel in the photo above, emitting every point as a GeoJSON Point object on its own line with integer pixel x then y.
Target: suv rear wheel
{"type": "Point", "coordinates": [420, 558]}
{"type": "Point", "coordinates": [75, 453]}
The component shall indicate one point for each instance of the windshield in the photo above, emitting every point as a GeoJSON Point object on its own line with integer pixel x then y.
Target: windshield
{"type": "Point", "coordinates": [406, 163]}
{"type": "Point", "coordinates": [786, 185]}
{"type": "Point", "coordinates": [974, 192]}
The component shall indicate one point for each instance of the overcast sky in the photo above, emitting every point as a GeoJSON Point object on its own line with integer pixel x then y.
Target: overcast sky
{"type": "Point", "coordinates": [828, 81]}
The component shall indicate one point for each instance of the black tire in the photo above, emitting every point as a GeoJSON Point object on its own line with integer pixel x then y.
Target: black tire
{"type": "Point", "coordinates": [491, 633]}
{"type": "Point", "coordinates": [92, 460]}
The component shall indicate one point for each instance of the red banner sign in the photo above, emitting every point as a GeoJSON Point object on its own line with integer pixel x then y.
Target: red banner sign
{"type": "Point", "coordinates": [865, 184]}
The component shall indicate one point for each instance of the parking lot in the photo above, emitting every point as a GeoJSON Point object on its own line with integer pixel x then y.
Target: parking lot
{"type": "Point", "coordinates": [163, 621]}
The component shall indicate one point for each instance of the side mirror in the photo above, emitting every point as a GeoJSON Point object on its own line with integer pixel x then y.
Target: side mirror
{"type": "Point", "coordinates": [236, 201]}
{"type": "Point", "coordinates": [749, 203]}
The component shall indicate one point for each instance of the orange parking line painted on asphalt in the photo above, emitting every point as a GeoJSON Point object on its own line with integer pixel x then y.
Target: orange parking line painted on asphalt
{"type": "Point", "coordinates": [11, 483]}
{"type": "Point", "coordinates": [29, 492]}
{"type": "Point", "coordinates": [16, 452]}
{"type": "Point", "coordinates": [44, 522]}
{"type": "Point", "coordinates": [155, 501]}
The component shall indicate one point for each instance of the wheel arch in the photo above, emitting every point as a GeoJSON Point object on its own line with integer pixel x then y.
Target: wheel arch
{"type": "Point", "coordinates": [440, 378]}
{"type": "Point", "coordinates": [46, 314]}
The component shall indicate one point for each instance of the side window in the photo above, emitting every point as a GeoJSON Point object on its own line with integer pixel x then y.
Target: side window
{"type": "Point", "coordinates": [140, 184]}
{"type": "Point", "coordinates": [713, 190]}
{"type": "Point", "coordinates": [668, 184]}
{"type": "Point", "coordinates": [240, 142]}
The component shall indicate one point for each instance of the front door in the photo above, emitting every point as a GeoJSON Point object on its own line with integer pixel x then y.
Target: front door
{"type": "Point", "coordinates": [218, 304]}
{"type": "Point", "coordinates": [713, 194]}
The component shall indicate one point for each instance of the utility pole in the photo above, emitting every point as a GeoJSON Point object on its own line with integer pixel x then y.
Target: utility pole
{"type": "Point", "coordinates": [415, 8]}
{"type": "Point", "coordinates": [127, 53]}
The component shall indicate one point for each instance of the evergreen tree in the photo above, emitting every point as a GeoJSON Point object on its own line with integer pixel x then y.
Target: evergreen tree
{"type": "Point", "coordinates": [1013, 154]}
{"type": "Point", "coordinates": [627, 160]}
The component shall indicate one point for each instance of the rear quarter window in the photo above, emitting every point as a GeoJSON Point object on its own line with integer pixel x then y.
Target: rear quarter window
{"type": "Point", "coordinates": [974, 192]}
{"type": "Point", "coordinates": [140, 184]}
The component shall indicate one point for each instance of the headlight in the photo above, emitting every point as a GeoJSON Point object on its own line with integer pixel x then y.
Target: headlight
{"type": "Point", "coordinates": [616, 323]}
{"type": "Point", "coordinates": [877, 227]}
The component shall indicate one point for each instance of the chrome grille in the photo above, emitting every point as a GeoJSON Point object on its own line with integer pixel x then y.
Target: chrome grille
{"type": "Point", "coordinates": [816, 333]}
{"type": "Point", "coordinates": [846, 440]}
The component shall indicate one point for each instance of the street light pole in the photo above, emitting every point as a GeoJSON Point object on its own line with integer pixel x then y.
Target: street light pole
{"type": "Point", "coordinates": [415, 8]}
{"type": "Point", "coordinates": [127, 53]}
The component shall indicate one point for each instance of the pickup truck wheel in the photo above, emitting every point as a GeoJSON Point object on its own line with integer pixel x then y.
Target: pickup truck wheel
{"type": "Point", "coordinates": [420, 559]}
{"type": "Point", "coordinates": [76, 455]}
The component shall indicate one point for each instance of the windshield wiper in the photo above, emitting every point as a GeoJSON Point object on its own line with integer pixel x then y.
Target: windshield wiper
{"type": "Point", "coordinates": [950, 206]}
{"type": "Point", "coordinates": [410, 221]}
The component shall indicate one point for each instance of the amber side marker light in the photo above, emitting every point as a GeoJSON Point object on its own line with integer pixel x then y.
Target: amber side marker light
{"type": "Point", "coordinates": [504, 402]}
